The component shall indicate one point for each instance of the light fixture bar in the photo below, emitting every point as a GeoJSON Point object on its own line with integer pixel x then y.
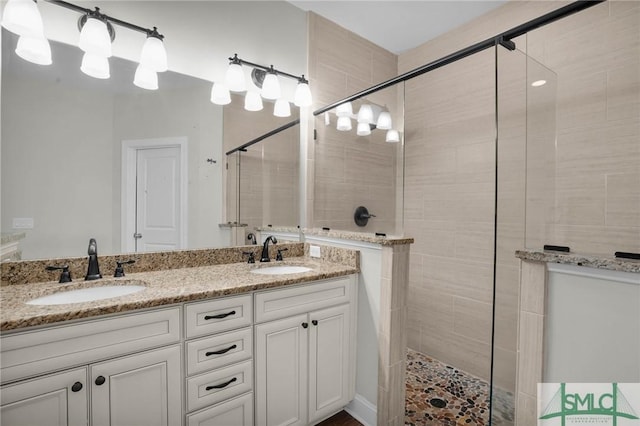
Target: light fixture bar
{"type": "Point", "coordinates": [111, 19]}
{"type": "Point", "coordinates": [265, 68]}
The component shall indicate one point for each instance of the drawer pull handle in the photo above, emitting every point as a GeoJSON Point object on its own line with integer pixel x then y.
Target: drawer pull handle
{"type": "Point", "coordinates": [220, 386]}
{"type": "Point", "coordinates": [305, 324]}
{"type": "Point", "coordinates": [221, 351]}
{"type": "Point", "coordinates": [100, 380]}
{"type": "Point", "coordinates": [220, 316]}
{"type": "Point", "coordinates": [314, 322]}
{"type": "Point", "coordinates": [77, 387]}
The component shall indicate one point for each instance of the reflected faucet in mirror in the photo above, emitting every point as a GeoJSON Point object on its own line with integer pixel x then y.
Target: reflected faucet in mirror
{"type": "Point", "coordinates": [252, 238]}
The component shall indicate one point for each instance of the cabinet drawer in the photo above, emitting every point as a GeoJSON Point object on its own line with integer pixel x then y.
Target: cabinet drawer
{"type": "Point", "coordinates": [218, 315]}
{"type": "Point", "coordinates": [32, 353]}
{"type": "Point", "coordinates": [219, 385]}
{"type": "Point", "coordinates": [235, 412]}
{"type": "Point", "coordinates": [218, 351]}
{"type": "Point", "coordinates": [276, 304]}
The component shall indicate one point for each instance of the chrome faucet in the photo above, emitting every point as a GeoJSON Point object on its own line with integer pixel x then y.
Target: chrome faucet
{"type": "Point", "coordinates": [93, 269]}
{"type": "Point", "coordinates": [265, 248]}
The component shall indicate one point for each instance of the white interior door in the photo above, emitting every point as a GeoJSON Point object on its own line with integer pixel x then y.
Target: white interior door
{"type": "Point", "coordinates": [158, 199]}
{"type": "Point", "coordinates": [154, 194]}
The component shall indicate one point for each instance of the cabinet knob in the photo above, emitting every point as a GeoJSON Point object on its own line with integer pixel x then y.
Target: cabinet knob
{"type": "Point", "coordinates": [100, 380]}
{"type": "Point", "coordinates": [314, 322]}
{"type": "Point", "coordinates": [305, 324]}
{"type": "Point", "coordinates": [77, 387]}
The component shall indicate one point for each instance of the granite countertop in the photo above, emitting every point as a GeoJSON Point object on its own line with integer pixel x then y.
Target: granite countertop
{"type": "Point", "coordinates": [164, 287]}
{"type": "Point", "coordinates": [387, 240]}
{"type": "Point", "coordinates": [592, 261]}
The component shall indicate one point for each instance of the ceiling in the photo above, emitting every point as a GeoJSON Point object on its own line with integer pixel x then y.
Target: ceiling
{"type": "Point", "coordinates": [399, 25]}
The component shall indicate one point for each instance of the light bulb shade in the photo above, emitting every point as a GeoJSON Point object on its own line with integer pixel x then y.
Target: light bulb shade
{"type": "Point", "coordinates": [154, 56]}
{"type": "Point", "coordinates": [95, 66]}
{"type": "Point", "coordinates": [36, 50]}
{"type": "Point", "coordinates": [363, 129]}
{"type": "Point", "coordinates": [22, 17]}
{"type": "Point", "coordinates": [344, 110]}
{"type": "Point", "coordinates": [302, 97]}
{"type": "Point", "coordinates": [95, 38]}
{"type": "Point", "coordinates": [271, 87]}
{"type": "Point", "coordinates": [252, 101]}
{"type": "Point", "coordinates": [146, 78]}
{"type": "Point", "coordinates": [282, 108]}
{"type": "Point", "coordinates": [234, 78]}
{"type": "Point", "coordinates": [393, 136]}
{"type": "Point", "coordinates": [344, 124]}
{"type": "Point", "coordinates": [220, 94]}
{"type": "Point", "coordinates": [384, 121]}
{"type": "Point", "coordinates": [365, 114]}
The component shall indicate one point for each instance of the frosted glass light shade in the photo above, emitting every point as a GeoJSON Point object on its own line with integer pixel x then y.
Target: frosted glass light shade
{"type": "Point", "coordinates": [393, 136]}
{"type": "Point", "coordinates": [95, 66]}
{"type": "Point", "coordinates": [95, 38]}
{"type": "Point", "coordinates": [145, 78]}
{"type": "Point", "coordinates": [365, 114]}
{"type": "Point", "coordinates": [154, 55]}
{"type": "Point", "coordinates": [344, 110]}
{"type": "Point", "coordinates": [282, 108]}
{"type": "Point", "coordinates": [384, 121]}
{"type": "Point", "coordinates": [220, 94]}
{"type": "Point", "coordinates": [22, 17]}
{"type": "Point", "coordinates": [271, 87]}
{"type": "Point", "coordinates": [363, 129]}
{"type": "Point", "coordinates": [344, 124]}
{"type": "Point", "coordinates": [234, 78]}
{"type": "Point", "coordinates": [302, 97]}
{"type": "Point", "coordinates": [34, 49]}
{"type": "Point", "coordinates": [252, 101]}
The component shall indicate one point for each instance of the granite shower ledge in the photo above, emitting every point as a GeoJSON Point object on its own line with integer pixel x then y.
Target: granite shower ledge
{"type": "Point", "coordinates": [389, 240]}
{"type": "Point", "coordinates": [591, 261]}
{"type": "Point", "coordinates": [164, 287]}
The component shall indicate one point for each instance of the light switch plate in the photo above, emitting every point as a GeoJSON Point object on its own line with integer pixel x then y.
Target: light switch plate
{"type": "Point", "coordinates": [314, 251]}
{"type": "Point", "coordinates": [22, 223]}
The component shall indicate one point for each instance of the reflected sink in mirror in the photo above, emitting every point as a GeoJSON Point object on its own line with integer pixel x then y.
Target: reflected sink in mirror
{"type": "Point", "coordinates": [87, 294]}
{"type": "Point", "coordinates": [280, 270]}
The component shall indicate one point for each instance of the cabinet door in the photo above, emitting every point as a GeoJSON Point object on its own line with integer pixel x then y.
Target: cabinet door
{"type": "Point", "coordinates": [281, 371]}
{"type": "Point", "coordinates": [58, 399]}
{"type": "Point", "coordinates": [329, 347]}
{"type": "Point", "coordinates": [142, 390]}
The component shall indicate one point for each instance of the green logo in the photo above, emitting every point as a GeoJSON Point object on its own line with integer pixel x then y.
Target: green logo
{"type": "Point", "coordinates": [581, 405]}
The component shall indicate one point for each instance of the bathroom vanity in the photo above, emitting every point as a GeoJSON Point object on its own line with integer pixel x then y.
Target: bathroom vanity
{"type": "Point", "coordinates": [208, 345]}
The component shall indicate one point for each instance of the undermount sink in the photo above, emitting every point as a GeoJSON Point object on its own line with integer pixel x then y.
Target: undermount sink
{"type": "Point", "coordinates": [280, 270]}
{"type": "Point", "coordinates": [86, 294]}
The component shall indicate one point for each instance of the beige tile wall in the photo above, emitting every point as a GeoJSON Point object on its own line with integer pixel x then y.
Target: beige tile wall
{"type": "Point", "coordinates": [350, 171]}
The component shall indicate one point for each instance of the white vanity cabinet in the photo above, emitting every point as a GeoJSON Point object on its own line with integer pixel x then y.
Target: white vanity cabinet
{"type": "Point", "coordinates": [219, 362]}
{"type": "Point", "coordinates": [131, 364]}
{"type": "Point", "coordinates": [305, 352]}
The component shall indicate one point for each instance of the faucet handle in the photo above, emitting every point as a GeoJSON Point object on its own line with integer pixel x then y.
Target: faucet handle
{"type": "Point", "coordinates": [279, 254]}
{"type": "Point", "coordinates": [65, 275]}
{"type": "Point", "coordinates": [252, 256]}
{"type": "Point", "coordinates": [119, 269]}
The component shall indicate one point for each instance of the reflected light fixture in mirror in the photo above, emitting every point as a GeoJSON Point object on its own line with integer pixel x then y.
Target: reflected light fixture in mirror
{"type": "Point", "coordinates": [363, 129]}
{"type": "Point", "coordinates": [146, 78]}
{"type": "Point", "coordinates": [344, 110]}
{"type": "Point", "coordinates": [253, 101]}
{"type": "Point", "coordinates": [94, 36]}
{"type": "Point", "coordinates": [365, 114]}
{"type": "Point", "coordinates": [393, 136]}
{"type": "Point", "coordinates": [153, 55]}
{"type": "Point", "coordinates": [220, 94]}
{"type": "Point", "coordinates": [282, 108]}
{"type": "Point", "coordinates": [23, 18]}
{"type": "Point", "coordinates": [34, 49]}
{"type": "Point", "coordinates": [384, 121]}
{"type": "Point", "coordinates": [95, 66]}
{"type": "Point", "coordinates": [344, 124]}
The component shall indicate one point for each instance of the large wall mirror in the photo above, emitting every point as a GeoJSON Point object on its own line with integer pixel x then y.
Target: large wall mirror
{"type": "Point", "coordinates": [80, 158]}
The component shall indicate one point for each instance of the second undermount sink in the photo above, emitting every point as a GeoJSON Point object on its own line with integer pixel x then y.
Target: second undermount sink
{"type": "Point", "coordinates": [87, 294]}
{"type": "Point", "coordinates": [281, 270]}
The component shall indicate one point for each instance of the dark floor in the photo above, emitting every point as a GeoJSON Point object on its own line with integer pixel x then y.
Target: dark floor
{"type": "Point", "coordinates": [341, 419]}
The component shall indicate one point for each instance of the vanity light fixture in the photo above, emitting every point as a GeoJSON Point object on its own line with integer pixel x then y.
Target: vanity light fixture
{"type": "Point", "coordinates": [96, 35]}
{"type": "Point", "coordinates": [393, 136]}
{"type": "Point", "coordinates": [344, 110]}
{"type": "Point", "coordinates": [384, 121]}
{"type": "Point", "coordinates": [220, 94]}
{"type": "Point", "coordinates": [344, 123]}
{"type": "Point", "coordinates": [364, 129]}
{"type": "Point", "coordinates": [365, 114]}
{"type": "Point", "coordinates": [267, 80]}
